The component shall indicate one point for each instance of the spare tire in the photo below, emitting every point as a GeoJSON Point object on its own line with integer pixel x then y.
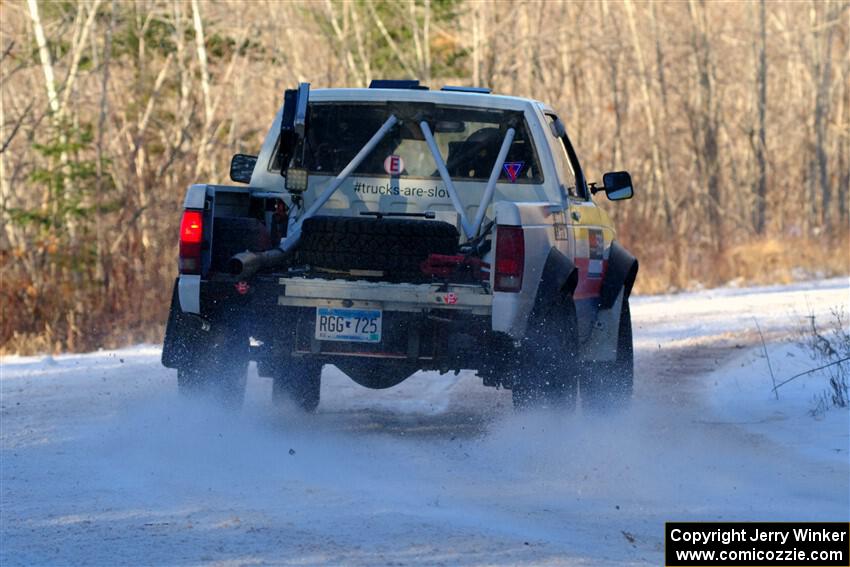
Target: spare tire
{"type": "Point", "coordinates": [392, 245]}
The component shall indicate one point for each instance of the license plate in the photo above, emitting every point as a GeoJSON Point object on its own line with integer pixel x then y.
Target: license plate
{"type": "Point", "coordinates": [352, 325]}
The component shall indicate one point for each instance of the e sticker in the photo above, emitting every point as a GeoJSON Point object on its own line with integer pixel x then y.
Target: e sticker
{"type": "Point", "coordinates": [513, 168]}
{"type": "Point", "coordinates": [394, 165]}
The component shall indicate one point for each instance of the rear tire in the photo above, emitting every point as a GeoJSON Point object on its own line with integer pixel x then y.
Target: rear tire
{"type": "Point", "coordinates": [224, 384]}
{"type": "Point", "coordinates": [545, 373]}
{"type": "Point", "coordinates": [218, 373]}
{"type": "Point", "coordinates": [299, 381]}
{"type": "Point", "coordinates": [607, 386]}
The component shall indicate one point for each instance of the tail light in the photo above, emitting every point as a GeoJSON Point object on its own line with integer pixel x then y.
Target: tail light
{"type": "Point", "coordinates": [510, 258]}
{"type": "Point", "coordinates": [191, 237]}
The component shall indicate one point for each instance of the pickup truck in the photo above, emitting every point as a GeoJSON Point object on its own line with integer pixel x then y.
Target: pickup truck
{"type": "Point", "coordinates": [392, 229]}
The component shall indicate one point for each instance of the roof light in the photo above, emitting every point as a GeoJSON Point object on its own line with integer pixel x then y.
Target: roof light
{"type": "Point", "coordinates": [296, 180]}
{"type": "Point", "coordinates": [478, 90]}
{"type": "Point", "coordinates": [397, 84]}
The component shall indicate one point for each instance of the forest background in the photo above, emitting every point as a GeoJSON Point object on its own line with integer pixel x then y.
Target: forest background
{"type": "Point", "coordinates": [733, 118]}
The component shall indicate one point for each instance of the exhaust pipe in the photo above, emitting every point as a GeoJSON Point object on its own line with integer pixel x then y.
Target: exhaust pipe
{"type": "Point", "coordinates": [246, 264]}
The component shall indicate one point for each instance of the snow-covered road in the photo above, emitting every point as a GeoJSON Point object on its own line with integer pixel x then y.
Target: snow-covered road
{"type": "Point", "coordinates": [102, 464]}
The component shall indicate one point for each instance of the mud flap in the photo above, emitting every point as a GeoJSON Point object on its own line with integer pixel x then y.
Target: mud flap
{"type": "Point", "coordinates": [601, 343]}
{"type": "Point", "coordinates": [620, 276]}
{"type": "Point", "coordinates": [182, 334]}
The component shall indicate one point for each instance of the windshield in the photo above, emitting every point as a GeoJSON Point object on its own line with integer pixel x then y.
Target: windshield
{"type": "Point", "coordinates": [468, 138]}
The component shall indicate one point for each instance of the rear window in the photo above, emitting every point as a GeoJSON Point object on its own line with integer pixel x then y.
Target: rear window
{"type": "Point", "coordinates": [469, 140]}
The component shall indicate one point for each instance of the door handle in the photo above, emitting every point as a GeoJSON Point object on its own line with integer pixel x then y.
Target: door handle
{"type": "Point", "coordinates": [576, 215]}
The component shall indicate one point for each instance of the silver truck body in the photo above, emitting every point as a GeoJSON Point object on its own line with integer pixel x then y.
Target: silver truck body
{"type": "Point", "coordinates": [569, 300]}
{"type": "Point", "coordinates": [538, 211]}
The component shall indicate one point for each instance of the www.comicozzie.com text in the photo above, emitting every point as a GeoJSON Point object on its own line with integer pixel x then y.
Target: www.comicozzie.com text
{"type": "Point", "coordinates": [726, 536]}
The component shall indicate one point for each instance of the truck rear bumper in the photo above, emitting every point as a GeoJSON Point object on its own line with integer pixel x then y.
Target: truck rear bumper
{"type": "Point", "coordinates": [417, 317]}
{"type": "Point", "coordinates": [310, 292]}
{"type": "Point", "coordinates": [425, 326]}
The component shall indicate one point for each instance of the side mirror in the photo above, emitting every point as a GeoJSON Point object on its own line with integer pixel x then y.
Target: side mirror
{"type": "Point", "coordinates": [241, 167]}
{"type": "Point", "coordinates": [618, 185]}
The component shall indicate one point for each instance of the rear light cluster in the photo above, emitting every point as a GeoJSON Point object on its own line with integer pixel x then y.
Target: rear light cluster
{"type": "Point", "coordinates": [191, 237]}
{"type": "Point", "coordinates": [510, 258]}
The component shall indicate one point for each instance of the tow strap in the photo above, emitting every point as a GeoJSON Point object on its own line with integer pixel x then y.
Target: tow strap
{"type": "Point", "coordinates": [446, 266]}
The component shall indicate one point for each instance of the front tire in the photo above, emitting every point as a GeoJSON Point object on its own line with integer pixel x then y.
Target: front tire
{"type": "Point", "coordinates": [298, 381]}
{"type": "Point", "coordinates": [607, 386]}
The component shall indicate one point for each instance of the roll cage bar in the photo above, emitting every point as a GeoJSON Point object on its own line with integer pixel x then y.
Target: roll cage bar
{"type": "Point", "coordinates": [470, 229]}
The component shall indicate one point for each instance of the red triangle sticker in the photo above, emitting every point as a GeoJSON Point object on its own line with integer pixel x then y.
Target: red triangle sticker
{"type": "Point", "coordinates": [512, 169]}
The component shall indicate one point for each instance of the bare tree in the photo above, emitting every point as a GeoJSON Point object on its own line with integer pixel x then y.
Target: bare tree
{"type": "Point", "coordinates": [761, 139]}
{"type": "Point", "coordinates": [707, 119]}
{"type": "Point", "coordinates": [200, 46]}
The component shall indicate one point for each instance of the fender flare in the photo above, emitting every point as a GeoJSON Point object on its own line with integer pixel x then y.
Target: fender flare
{"type": "Point", "coordinates": [621, 274]}
{"type": "Point", "coordinates": [558, 280]}
{"type": "Point", "coordinates": [553, 310]}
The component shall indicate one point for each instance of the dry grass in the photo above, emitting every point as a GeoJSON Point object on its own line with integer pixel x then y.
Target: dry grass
{"type": "Point", "coordinates": [55, 317]}
{"type": "Point", "coordinates": [756, 262]}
